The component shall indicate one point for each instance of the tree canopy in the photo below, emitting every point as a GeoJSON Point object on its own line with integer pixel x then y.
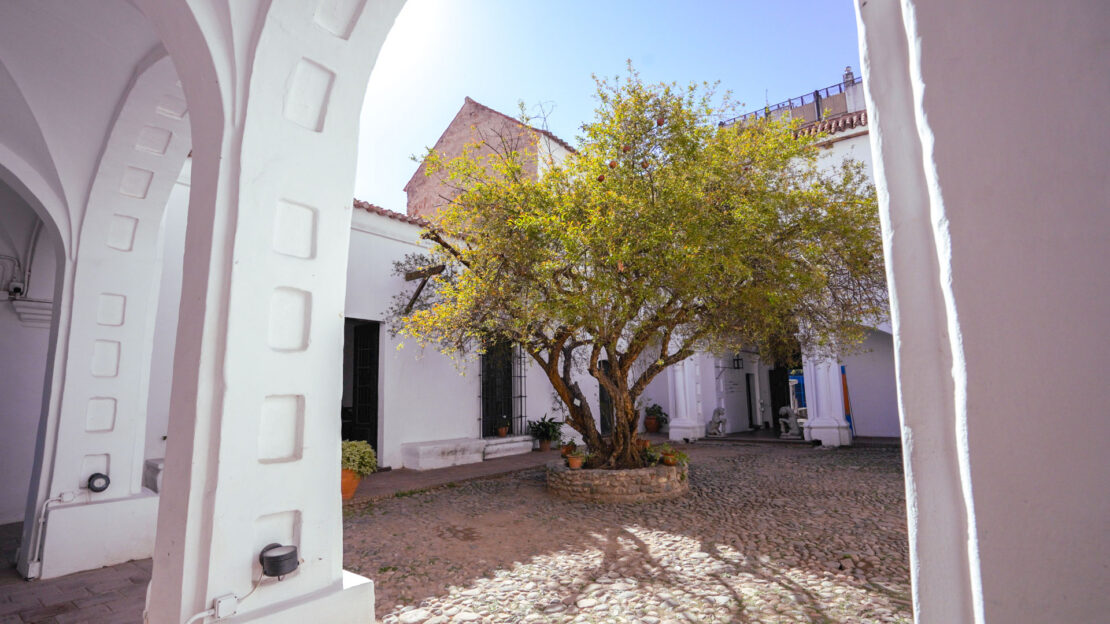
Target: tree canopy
{"type": "Point", "coordinates": [667, 232]}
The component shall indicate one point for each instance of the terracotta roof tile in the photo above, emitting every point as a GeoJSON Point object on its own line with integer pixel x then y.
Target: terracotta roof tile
{"type": "Point", "coordinates": [840, 123]}
{"type": "Point", "coordinates": [396, 216]}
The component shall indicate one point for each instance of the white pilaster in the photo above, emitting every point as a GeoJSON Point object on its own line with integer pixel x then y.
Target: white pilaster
{"type": "Point", "coordinates": [685, 422]}
{"type": "Point", "coordinates": [825, 403]}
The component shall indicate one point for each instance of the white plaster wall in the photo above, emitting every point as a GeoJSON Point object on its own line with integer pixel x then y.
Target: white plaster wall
{"type": "Point", "coordinates": [23, 355]}
{"type": "Point", "coordinates": [872, 388]}
{"type": "Point", "coordinates": [165, 329]}
{"type": "Point", "coordinates": [852, 143]}
{"type": "Point", "coordinates": [23, 352]}
{"type": "Point", "coordinates": [422, 395]}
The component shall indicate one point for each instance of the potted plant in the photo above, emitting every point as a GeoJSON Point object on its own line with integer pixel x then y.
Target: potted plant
{"type": "Point", "coordinates": [358, 460]}
{"type": "Point", "coordinates": [568, 448]}
{"type": "Point", "coordinates": [575, 459]}
{"type": "Point", "coordinates": [654, 418]}
{"type": "Point", "coordinates": [503, 426]}
{"type": "Point", "coordinates": [672, 457]}
{"type": "Point", "coordinates": [546, 431]}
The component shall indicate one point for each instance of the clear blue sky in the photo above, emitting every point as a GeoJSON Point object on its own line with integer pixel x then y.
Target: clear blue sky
{"type": "Point", "coordinates": [500, 52]}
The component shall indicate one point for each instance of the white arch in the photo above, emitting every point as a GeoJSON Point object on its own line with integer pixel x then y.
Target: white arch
{"type": "Point", "coordinates": [32, 186]}
{"type": "Point", "coordinates": [96, 416]}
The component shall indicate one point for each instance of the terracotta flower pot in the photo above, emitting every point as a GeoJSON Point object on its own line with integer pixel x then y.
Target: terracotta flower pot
{"type": "Point", "coordinates": [349, 483]}
{"type": "Point", "coordinates": [644, 444]}
{"type": "Point", "coordinates": [669, 460]}
{"type": "Point", "coordinates": [545, 445]}
{"type": "Point", "coordinates": [566, 449]}
{"type": "Point", "coordinates": [502, 432]}
{"type": "Point", "coordinates": [574, 463]}
{"type": "Point", "coordinates": [651, 424]}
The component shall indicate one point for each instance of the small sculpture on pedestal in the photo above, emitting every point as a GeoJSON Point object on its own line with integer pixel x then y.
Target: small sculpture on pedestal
{"type": "Point", "coordinates": [716, 427]}
{"type": "Point", "coordinates": [788, 423]}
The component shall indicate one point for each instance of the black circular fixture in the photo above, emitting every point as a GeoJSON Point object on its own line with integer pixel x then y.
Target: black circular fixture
{"type": "Point", "coordinates": [98, 482]}
{"type": "Point", "coordinates": [278, 560]}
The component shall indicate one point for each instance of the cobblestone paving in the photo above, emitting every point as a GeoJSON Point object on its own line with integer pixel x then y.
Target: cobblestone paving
{"type": "Point", "coordinates": [767, 534]}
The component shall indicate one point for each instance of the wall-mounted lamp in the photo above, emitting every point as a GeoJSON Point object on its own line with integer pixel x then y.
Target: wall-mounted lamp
{"type": "Point", "coordinates": [737, 362]}
{"type": "Point", "coordinates": [98, 482]}
{"type": "Point", "coordinates": [278, 560]}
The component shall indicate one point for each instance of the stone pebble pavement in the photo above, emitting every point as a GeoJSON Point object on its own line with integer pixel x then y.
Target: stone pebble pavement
{"type": "Point", "coordinates": [766, 534]}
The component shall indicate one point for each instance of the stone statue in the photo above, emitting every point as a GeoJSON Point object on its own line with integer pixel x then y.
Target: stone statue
{"type": "Point", "coordinates": [716, 426]}
{"type": "Point", "coordinates": [788, 423]}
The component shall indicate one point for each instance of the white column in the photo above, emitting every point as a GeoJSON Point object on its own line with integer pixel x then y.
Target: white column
{"type": "Point", "coordinates": [825, 402]}
{"type": "Point", "coordinates": [274, 91]}
{"type": "Point", "coordinates": [995, 231]}
{"type": "Point", "coordinates": [685, 422]}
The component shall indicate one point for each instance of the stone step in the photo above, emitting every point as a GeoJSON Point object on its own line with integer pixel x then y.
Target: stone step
{"type": "Point", "coordinates": [509, 445]}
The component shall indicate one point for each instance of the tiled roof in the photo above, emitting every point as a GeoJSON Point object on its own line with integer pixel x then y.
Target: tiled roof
{"type": "Point", "coordinates": [545, 133]}
{"type": "Point", "coordinates": [840, 123]}
{"type": "Point", "coordinates": [396, 216]}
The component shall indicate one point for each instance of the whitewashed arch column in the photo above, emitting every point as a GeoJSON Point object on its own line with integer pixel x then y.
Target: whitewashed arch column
{"type": "Point", "coordinates": [101, 395]}
{"type": "Point", "coordinates": [990, 141]}
{"type": "Point", "coordinates": [274, 92]}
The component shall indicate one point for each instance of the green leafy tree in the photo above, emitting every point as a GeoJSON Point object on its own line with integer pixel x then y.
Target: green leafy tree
{"type": "Point", "coordinates": [666, 233]}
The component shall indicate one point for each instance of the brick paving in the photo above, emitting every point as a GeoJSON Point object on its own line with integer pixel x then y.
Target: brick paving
{"type": "Point", "coordinates": [113, 595]}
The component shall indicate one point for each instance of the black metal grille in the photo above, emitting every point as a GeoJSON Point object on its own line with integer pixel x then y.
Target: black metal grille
{"type": "Point", "coordinates": [520, 391]}
{"type": "Point", "coordinates": [504, 389]}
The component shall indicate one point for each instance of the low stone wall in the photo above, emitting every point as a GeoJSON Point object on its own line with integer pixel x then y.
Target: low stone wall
{"type": "Point", "coordinates": [617, 486]}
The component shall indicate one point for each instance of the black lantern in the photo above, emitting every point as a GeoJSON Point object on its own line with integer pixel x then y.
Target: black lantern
{"type": "Point", "coordinates": [737, 362]}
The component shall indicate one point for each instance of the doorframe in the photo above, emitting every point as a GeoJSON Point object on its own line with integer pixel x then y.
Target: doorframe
{"type": "Point", "coordinates": [379, 424]}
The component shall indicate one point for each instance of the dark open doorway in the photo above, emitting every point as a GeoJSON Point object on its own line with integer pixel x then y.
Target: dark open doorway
{"type": "Point", "coordinates": [779, 377]}
{"type": "Point", "coordinates": [749, 388]}
{"type": "Point", "coordinates": [360, 381]}
{"type": "Point", "coordinates": [497, 387]}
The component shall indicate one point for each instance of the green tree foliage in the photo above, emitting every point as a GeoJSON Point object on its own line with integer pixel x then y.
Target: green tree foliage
{"type": "Point", "coordinates": [667, 232]}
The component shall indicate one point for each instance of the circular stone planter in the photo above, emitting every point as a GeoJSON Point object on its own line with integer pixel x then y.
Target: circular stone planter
{"type": "Point", "coordinates": [617, 486]}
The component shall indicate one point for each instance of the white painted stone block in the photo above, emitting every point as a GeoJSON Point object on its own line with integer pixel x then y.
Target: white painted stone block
{"type": "Point", "coordinates": [442, 453]}
{"type": "Point", "coordinates": [88, 536]}
{"type": "Point", "coordinates": [504, 447]}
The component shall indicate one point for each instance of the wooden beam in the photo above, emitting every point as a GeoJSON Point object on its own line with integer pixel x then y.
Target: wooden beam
{"type": "Point", "coordinates": [424, 274]}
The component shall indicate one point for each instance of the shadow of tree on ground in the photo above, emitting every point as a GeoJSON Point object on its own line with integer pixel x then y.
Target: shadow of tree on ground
{"type": "Point", "coordinates": [766, 534]}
